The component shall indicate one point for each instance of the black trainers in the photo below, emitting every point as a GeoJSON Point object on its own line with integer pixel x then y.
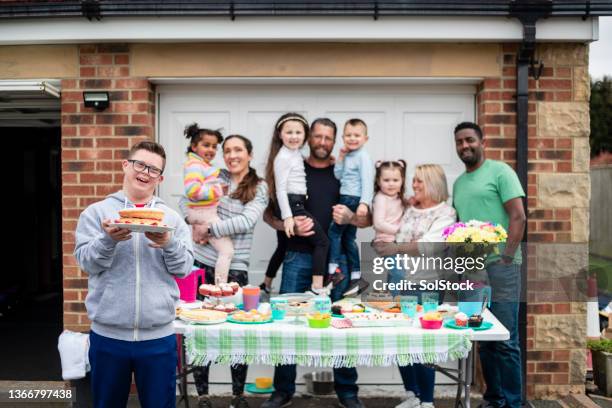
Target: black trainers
{"type": "Point", "coordinates": [277, 400]}
{"type": "Point", "coordinates": [350, 403]}
{"type": "Point", "coordinates": [356, 287]}
{"type": "Point", "coordinates": [204, 402]}
{"type": "Point", "coordinates": [239, 402]}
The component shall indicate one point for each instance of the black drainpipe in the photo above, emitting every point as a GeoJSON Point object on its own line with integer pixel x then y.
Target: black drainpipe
{"type": "Point", "coordinates": [528, 12]}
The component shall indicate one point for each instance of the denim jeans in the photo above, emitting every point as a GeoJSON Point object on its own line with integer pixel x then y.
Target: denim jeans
{"type": "Point", "coordinates": [501, 360]}
{"type": "Point", "coordinates": [418, 378]}
{"type": "Point", "coordinates": [297, 277]}
{"type": "Point", "coordinates": [342, 238]}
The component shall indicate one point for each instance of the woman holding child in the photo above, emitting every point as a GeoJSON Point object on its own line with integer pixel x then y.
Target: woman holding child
{"type": "Point", "coordinates": [238, 211]}
{"type": "Point", "coordinates": [420, 224]}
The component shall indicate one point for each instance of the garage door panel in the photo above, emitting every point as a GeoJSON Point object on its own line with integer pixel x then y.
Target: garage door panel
{"type": "Point", "coordinates": [413, 124]}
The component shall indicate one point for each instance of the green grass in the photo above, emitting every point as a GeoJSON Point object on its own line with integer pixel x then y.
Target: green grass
{"type": "Point", "coordinates": [603, 268]}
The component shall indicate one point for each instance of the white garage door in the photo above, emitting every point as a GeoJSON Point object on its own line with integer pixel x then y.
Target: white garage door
{"type": "Point", "coordinates": [409, 122]}
{"type": "Point", "coordinates": [414, 123]}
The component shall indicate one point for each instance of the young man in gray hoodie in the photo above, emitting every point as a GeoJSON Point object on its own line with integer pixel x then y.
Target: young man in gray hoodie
{"type": "Point", "coordinates": [132, 292]}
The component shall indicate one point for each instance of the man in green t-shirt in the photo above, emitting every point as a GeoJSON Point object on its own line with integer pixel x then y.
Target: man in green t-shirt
{"type": "Point", "coordinates": [490, 190]}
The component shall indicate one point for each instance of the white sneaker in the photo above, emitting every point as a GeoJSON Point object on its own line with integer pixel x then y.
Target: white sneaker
{"type": "Point", "coordinates": [410, 401]}
{"type": "Point", "coordinates": [427, 405]}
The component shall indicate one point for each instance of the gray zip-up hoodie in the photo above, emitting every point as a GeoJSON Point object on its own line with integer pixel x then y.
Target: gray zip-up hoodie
{"type": "Point", "coordinates": [132, 292]}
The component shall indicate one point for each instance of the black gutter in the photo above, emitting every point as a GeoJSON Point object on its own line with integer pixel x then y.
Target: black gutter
{"type": "Point", "coordinates": [526, 65]}
{"type": "Point", "coordinates": [246, 8]}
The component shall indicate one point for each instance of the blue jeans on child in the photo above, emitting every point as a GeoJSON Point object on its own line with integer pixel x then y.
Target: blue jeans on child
{"type": "Point", "coordinates": [418, 378]}
{"type": "Point", "coordinates": [342, 238]}
{"type": "Point", "coordinates": [297, 278]}
{"type": "Point", "coordinates": [501, 360]}
{"type": "Point", "coordinates": [153, 363]}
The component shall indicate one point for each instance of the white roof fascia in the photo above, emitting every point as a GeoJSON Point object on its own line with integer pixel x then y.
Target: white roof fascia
{"type": "Point", "coordinates": [278, 29]}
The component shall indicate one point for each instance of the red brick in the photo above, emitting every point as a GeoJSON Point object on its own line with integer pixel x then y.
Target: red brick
{"type": "Point", "coordinates": [70, 318]}
{"type": "Point", "coordinates": [559, 378]}
{"type": "Point", "coordinates": [509, 83]}
{"type": "Point", "coordinates": [96, 178]}
{"type": "Point", "coordinates": [69, 178]}
{"type": "Point", "coordinates": [112, 142]}
{"type": "Point", "coordinates": [509, 71]}
{"type": "Point", "coordinates": [68, 131]}
{"type": "Point", "coordinates": [539, 309]}
{"type": "Point", "coordinates": [87, 71]}
{"type": "Point", "coordinates": [113, 71]}
{"type": "Point", "coordinates": [563, 72]}
{"type": "Point", "coordinates": [541, 237]}
{"type": "Point", "coordinates": [539, 355]}
{"type": "Point", "coordinates": [552, 367]}
{"type": "Point", "coordinates": [499, 119]}
{"type": "Point", "coordinates": [104, 190]}
{"type": "Point", "coordinates": [78, 119]}
{"type": "Point", "coordinates": [539, 378]}
{"type": "Point", "coordinates": [130, 107]}
{"type": "Point", "coordinates": [115, 48]}
{"type": "Point", "coordinates": [564, 167]}
{"type": "Point", "coordinates": [69, 154]}
{"type": "Point", "coordinates": [555, 226]}
{"type": "Point", "coordinates": [555, 84]}
{"type": "Point", "coordinates": [541, 214]}
{"type": "Point", "coordinates": [563, 214]}
{"type": "Point", "coordinates": [561, 355]}
{"type": "Point", "coordinates": [95, 130]}
{"type": "Point", "coordinates": [77, 190]}
{"type": "Point", "coordinates": [132, 83]}
{"type": "Point", "coordinates": [112, 119]}
{"type": "Point", "coordinates": [95, 154]}
{"type": "Point", "coordinates": [76, 165]}
{"type": "Point", "coordinates": [541, 167]}
{"type": "Point", "coordinates": [563, 96]}
{"type": "Point", "coordinates": [87, 49]}
{"type": "Point", "coordinates": [555, 154]}
{"type": "Point", "coordinates": [562, 308]}
{"type": "Point", "coordinates": [510, 155]}
{"type": "Point", "coordinates": [96, 59]}
{"type": "Point", "coordinates": [122, 59]}
{"type": "Point", "coordinates": [564, 143]}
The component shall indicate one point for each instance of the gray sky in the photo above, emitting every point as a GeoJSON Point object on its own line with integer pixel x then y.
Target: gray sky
{"type": "Point", "coordinates": [600, 56]}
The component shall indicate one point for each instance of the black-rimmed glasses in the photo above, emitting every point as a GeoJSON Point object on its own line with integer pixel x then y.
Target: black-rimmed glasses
{"type": "Point", "coordinates": [141, 167]}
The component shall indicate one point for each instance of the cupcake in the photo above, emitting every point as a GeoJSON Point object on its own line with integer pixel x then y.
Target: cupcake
{"type": "Point", "coordinates": [235, 286]}
{"type": "Point", "coordinates": [215, 291]}
{"type": "Point", "coordinates": [461, 319]}
{"type": "Point", "coordinates": [226, 290]}
{"type": "Point", "coordinates": [204, 290]}
{"type": "Point", "coordinates": [475, 321]}
{"type": "Point", "coordinates": [220, 307]}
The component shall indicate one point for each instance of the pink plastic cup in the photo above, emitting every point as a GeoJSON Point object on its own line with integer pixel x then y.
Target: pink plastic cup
{"type": "Point", "coordinates": [188, 286]}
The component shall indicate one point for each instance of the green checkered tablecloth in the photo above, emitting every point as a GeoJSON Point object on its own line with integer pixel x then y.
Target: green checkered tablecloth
{"type": "Point", "coordinates": [283, 343]}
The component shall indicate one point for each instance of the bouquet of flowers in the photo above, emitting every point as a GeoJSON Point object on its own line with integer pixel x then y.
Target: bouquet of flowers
{"type": "Point", "coordinates": [475, 238]}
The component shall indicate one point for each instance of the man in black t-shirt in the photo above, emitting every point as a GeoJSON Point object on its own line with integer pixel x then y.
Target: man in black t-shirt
{"type": "Point", "coordinates": [323, 194]}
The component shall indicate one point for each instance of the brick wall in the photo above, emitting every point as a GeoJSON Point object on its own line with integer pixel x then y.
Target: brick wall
{"type": "Point", "coordinates": [558, 188]}
{"type": "Point", "coordinates": [558, 183]}
{"type": "Point", "coordinates": [92, 145]}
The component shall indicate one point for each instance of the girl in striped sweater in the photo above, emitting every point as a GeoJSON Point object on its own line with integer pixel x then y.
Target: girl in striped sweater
{"type": "Point", "coordinates": [203, 189]}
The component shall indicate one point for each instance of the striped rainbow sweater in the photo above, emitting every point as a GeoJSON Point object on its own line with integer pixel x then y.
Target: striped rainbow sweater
{"type": "Point", "coordinates": [200, 180]}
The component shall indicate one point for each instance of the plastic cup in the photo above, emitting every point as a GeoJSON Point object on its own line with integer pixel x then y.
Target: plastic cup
{"type": "Point", "coordinates": [430, 301]}
{"type": "Point", "coordinates": [408, 305]}
{"type": "Point", "coordinates": [279, 308]}
{"type": "Point", "coordinates": [250, 297]}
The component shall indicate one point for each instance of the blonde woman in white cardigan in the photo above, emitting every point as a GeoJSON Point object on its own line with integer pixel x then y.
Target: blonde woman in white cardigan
{"type": "Point", "coordinates": [422, 223]}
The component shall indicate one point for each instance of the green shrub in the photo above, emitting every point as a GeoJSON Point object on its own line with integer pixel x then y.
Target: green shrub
{"type": "Point", "coordinates": [604, 345]}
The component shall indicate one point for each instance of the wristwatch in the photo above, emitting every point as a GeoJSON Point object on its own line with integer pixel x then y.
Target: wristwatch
{"type": "Point", "coordinates": [209, 231]}
{"type": "Point", "coordinates": [507, 258]}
